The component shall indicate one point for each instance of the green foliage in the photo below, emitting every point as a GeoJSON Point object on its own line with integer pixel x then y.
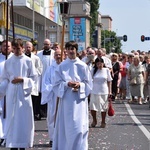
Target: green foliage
{"type": "Point", "coordinates": [34, 42]}
{"type": "Point", "coordinates": [94, 14]}
{"type": "Point", "coordinates": [110, 46]}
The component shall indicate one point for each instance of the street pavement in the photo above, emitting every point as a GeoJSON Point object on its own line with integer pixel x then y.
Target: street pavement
{"type": "Point", "coordinates": [128, 129]}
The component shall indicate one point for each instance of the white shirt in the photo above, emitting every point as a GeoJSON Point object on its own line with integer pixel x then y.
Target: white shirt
{"type": "Point", "coordinates": [100, 80]}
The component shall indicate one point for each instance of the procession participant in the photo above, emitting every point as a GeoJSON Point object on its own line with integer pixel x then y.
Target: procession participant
{"type": "Point", "coordinates": [136, 76]}
{"type": "Point", "coordinates": [100, 92]}
{"type": "Point", "coordinates": [6, 52]}
{"type": "Point", "coordinates": [39, 67]}
{"type": "Point", "coordinates": [17, 84]}
{"type": "Point", "coordinates": [90, 58]}
{"type": "Point", "coordinates": [48, 95]}
{"type": "Point", "coordinates": [56, 46]}
{"type": "Point", "coordinates": [73, 83]}
{"type": "Point", "coordinates": [101, 53]}
{"type": "Point", "coordinates": [47, 57]}
{"type": "Point", "coordinates": [115, 75]}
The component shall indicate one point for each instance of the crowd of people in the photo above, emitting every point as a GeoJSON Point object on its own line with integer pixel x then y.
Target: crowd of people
{"type": "Point", "coordinates": [62, 87]}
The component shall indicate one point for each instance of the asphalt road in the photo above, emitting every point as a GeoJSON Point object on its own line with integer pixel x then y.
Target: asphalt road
{"type": "Point", "coordinates": [129, 129]}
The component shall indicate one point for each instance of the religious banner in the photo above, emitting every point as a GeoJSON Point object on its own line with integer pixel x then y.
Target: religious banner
{"type": "Point", "coordinates": [3, 13]}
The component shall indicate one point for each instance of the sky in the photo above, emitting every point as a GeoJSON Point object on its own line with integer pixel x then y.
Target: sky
{"type": "Point", "coordinates": [131, 18]}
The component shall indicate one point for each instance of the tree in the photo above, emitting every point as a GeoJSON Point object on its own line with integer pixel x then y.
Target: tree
{"type": "Point", "coordinates": [111, 46]}
{"type": "Point", "coordinates": [94, 14]}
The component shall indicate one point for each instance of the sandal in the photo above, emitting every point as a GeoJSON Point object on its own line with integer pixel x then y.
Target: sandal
{"type": "Point", "coordinates": [103, 125]}
{"type": "Point", "coordinates": [93, 124]}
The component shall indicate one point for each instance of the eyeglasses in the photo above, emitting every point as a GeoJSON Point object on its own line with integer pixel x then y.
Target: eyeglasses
{"type": "Point", "coordinates": [114, 55]}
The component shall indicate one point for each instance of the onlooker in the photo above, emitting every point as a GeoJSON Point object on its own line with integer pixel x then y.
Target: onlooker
{"type": "Point", "coordinates": [18, 83]}
{"type": "Point", "coordinates": [136, 77]}
{"type": "Point", "coordinates": [100, 92]}
{"type": "Point", "coordinates": [73, 84]}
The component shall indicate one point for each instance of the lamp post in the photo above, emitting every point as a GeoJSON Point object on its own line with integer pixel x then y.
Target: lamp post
{"type": "Point", "coordinates": [45, 26]}
{"type": "Point", "coordinates": [64, 7]}
{"type": "Point", "coordinates": [33, 23]}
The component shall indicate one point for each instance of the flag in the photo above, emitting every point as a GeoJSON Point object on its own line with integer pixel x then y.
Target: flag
{"type": "Point", "coordinates": [3, 17]}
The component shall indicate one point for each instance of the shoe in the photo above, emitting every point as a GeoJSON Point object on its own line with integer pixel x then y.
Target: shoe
{"type": "Point", "coordinates": [93, 124]}
{"type": "Point", "coordinates": [130, 101]}
{"type": "Point", "coordinates": [37, 117]}
{"type": "Point", "coordinates": [145, 101]}
{"type": "Point", "coordinates": [2, 142]}
{"type": "Point", "coordinates": [140, 103]}
{"type": "Point", "coordinates": [103, 125]}
{"type": "Point", "coordinates": [50, 143]}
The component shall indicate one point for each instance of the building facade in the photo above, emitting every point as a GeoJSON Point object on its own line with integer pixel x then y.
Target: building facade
{"type": "Point", "coordinates": [40, 19]}
{"type": "Point", "coordinates": [106, 21]}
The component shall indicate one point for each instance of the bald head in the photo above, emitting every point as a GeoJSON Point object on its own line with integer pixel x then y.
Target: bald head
{"type": "Point", "coordinates": [28, 47]}
{"type": "Point", "coordinates": [47, 44]}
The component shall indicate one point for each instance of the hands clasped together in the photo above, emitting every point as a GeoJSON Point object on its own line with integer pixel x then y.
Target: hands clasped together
{"type": "Point", "coordinates": [17, 80]}
{"type": "Point", "coordinates": [75, 85]}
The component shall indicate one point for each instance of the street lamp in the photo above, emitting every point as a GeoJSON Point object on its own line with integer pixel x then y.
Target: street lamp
{"type": "Point", "coordinates": [64, 8]}
{"type": "Point", "coordinates": [33, 23]}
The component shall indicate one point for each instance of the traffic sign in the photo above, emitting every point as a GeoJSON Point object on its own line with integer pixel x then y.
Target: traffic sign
{"type": "Point", "coordinates": [125, 38]}
{"type": "Point", "coordinates": [143, 38]}
{"type": "Point", "coordinates": [147, 38]}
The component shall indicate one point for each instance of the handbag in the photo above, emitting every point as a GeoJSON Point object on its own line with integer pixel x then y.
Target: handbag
{"type": "Point", "coordinates": [111, 110]}
{"type": "Point", "coordinates": [133, 81]}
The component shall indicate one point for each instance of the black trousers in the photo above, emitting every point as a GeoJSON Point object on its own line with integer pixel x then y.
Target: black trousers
{"type": "Point", "coordinates": [36, 105]}
{"type": "Point", "coordinates": [42, 108]}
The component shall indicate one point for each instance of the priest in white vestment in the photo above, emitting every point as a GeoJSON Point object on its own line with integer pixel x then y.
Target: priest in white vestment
{"type": "Point", "coordinates": [73, 84]}
{"type": "Point", "coordinates": [48, 95]}
{"type": "Point", "coordinates": [17, 81]}
{"type": "Point", "coordinates": [5, 51]}
{"type": "Point", "coordinates": [47, 57]}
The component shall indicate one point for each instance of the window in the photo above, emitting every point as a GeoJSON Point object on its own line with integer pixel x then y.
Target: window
{"type": "Point", "coordinates": [52, 37]}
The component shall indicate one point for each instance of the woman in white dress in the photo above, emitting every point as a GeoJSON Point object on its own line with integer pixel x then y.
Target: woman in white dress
{"type": "Point", "coordinates": [100, 92]}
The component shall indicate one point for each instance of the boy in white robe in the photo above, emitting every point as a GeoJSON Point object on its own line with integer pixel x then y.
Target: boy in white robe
{"type": "Point", "coordinates": [18, 79]}
{"type": "Point", "coordinates": [48, 95]}
{"type": "Point", "coordinates": [73, 84]}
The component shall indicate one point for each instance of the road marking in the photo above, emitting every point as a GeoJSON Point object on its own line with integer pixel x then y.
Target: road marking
{"type": "Point", "coordinates": [139, 124]}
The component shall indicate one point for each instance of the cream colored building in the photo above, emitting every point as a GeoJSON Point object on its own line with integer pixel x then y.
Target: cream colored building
{"type": "Point", "coordinates": [106, 21]}
{"type": "Point", "coordinates": [40, 19]}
